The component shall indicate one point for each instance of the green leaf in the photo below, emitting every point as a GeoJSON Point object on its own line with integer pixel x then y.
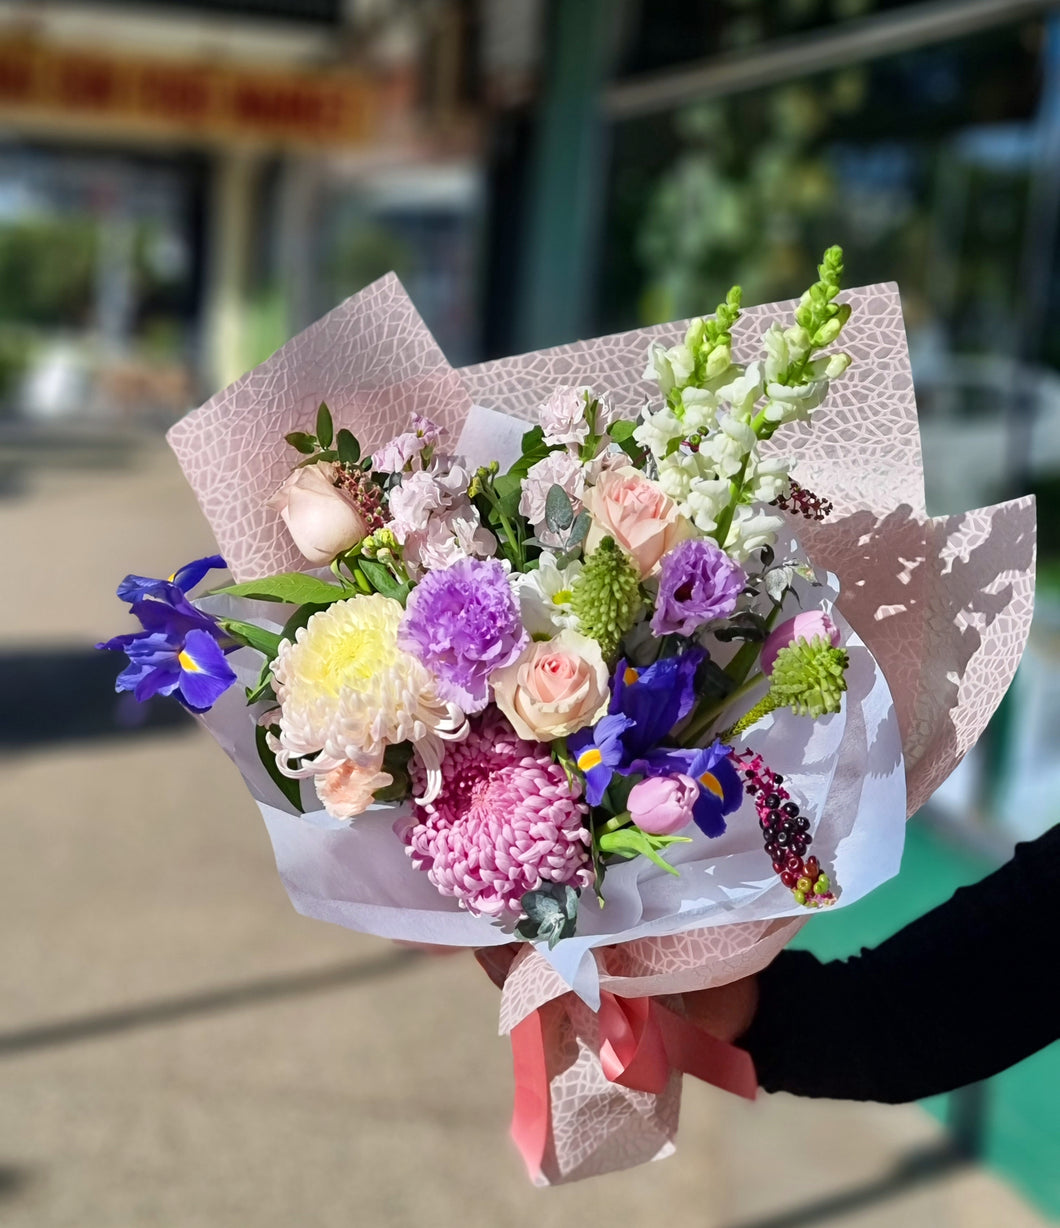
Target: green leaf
{"type": "Point", "coordinates": [632, 842]}
{"type": "Point", "coordinates": [559, 514]}
{"type": "Point", "coordinates": [380, 578]}
{"type": "Point", "coordinates": [534, 449]}
{"type": "Point", "coordinates": [325, 430]}
{"type": "Point", "coordinates": [349, 449]}
{"type": "Point", "coordinates": [508, 487]}
{"type": "Point", "coordinates": [303, 442]}
{"type": "Point", "coordinates": [294, 587]}
{"type": "Point", "coordinates": [263, 689]}
{"type": "Point", "coordinates": [291, 789]}
{"type": "Point", "coordinates": [621, 430]}
{"type": "Point", "coordinates": [265, 642]}
{"type": "Point", "coordinates": [300, 617]}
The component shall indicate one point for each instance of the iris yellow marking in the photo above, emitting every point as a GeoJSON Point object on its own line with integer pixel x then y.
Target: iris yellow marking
{"type": "Point", "coordinates": [589, 759]}
{"type": "Point", "coordinates": [711, 783]}
{"type": "Point", "coordinates": [172, 577]}
{"type": "Point", "coordinates": [630, 676]}
{"type": "Point", "coordinates": [188, 664]}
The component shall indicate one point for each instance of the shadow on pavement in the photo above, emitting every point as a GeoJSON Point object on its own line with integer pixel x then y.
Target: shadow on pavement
{"type": "Point", "coordinates": [64, 695]}
{"type": "Point", "coordinates": [209, 1002]}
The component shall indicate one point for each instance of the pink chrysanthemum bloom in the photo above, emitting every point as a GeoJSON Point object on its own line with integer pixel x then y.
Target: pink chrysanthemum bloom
{"type": "Point", "coordinates": [505, 821]}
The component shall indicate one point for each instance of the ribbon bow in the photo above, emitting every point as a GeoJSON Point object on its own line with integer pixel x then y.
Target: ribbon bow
{"type": "Point", "coordinates": [641, 1043]}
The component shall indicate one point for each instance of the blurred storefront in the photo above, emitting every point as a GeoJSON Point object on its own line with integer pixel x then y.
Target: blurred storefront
{"type": "Point", "coordinates": [182, 186]}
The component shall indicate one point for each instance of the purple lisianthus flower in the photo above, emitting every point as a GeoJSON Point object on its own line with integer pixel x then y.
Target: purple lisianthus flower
{"type": "Point", "coordinates": [698, 582]}
{"type": "Point", "coordinates": [133, 588]}
{"type": "Point", "coordinates": [655, 698]}
{"type": "Point", "coordinates": [178, 652]}
{"type": "Point", "coordinates": [597, 752]}
{"type": "Point", "coordinates": [463, 623]}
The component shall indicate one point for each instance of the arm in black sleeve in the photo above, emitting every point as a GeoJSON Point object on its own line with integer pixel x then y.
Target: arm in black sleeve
{"type": "Point", "coordinates": [958, 995]}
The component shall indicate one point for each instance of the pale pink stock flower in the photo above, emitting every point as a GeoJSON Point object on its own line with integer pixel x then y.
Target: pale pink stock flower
{"type": "Point", "coordinates": [562, 416]}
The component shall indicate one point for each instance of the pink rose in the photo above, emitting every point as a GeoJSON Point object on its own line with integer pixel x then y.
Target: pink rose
{"type": "Point", "coordinates": [347, 790]}
{"type": "Point", "coordinates": [635, 512]}
{"type": "Point", "coordinates": [322, 518]}
{"type": "Point", "coordinates": [809, 625]}
{"type": "Point", "coordinates": [662, 805]}
{"type": "Point", "coordinates": [553, 687]}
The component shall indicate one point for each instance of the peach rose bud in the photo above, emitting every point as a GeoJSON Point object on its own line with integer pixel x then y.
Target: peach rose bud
{"type": "Point", "coordinates": [642, 519]}
{"type": "Point", "coordinates": [554, 687]}
{"type": "Point", "coordinates": [322, 518]}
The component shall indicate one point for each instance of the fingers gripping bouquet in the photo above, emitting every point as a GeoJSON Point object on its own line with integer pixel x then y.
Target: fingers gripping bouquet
{"type": "Point", "coordinates": [573, 695]}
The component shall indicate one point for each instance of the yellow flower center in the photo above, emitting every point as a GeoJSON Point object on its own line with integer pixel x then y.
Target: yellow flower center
{"type": "Point", "coordinates": [563, 597]}
{"type": "Point", "coordinates": [187, 664]}
{"type": "Point", "coordinates": [711, 783]}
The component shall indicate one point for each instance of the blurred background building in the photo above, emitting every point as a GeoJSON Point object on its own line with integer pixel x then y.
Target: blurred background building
{"type": "Point", "coordinates": [184, 184]}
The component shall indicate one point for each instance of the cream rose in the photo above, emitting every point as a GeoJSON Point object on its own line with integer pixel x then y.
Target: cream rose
{"type": "Point", "coordinates": [642, 519]}
{"type": "Point", "coordinates": [554, 687]}
{"type": "Point", "coordinates": [322, 518]}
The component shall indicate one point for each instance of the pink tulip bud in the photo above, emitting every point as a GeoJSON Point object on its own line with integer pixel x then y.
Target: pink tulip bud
{"type": "Point", "coordinates": [662, 805]}
{"type": "Point", "coordinates": [809, 625]}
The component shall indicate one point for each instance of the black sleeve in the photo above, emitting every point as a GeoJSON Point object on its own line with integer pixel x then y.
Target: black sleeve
{"type": "Point", "coordinates": [958, 995]}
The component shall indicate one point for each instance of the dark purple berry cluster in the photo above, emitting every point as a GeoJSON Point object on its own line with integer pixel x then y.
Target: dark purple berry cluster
{"type": "Point", "coordinates": [785, 833]}
{"type": "Point", "coordinates": [802, 502]}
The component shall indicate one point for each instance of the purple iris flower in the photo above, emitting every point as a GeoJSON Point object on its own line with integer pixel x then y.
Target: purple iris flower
{"type": "Point", "coordinates": [720, 787]}
{"type": "Point", "coordinates": [655, 698]}
{"type": "Point", "coordinates": [179, 651]}
{"type": "Point", "coordinates": [597, 752]}
{"type": "Point", "coordinates": [133, 588]}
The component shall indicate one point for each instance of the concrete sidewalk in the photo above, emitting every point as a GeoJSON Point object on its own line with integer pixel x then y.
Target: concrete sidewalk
{"type": "Point", "coordinates": [178, 1047]}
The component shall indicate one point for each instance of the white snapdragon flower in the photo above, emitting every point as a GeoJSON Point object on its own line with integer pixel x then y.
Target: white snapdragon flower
{"type": "Point", "coordinates": [751, 529]}
{"type": "Point", "coordinates": [545, 594]}
{"type": "Point", "coordinates": [658, 430]}
{"type": "Point", "coordinates": [727, 448]}
{"type": "Point", "coordinates": [670, 367]}
{"type": "Point", "coordinates": [768, 477]}
{"type": "Point", "coordinates": [707, 498]}
{"type": "Point", "coordinates": [678, 472]}
{"type": "Point", "coordinates": [743, 389]}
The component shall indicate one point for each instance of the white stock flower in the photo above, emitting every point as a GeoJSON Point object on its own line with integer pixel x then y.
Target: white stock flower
{"type": "Point", "coordinates": [562, 416]}
{"type": "Point", "coordinates": [557, 469]}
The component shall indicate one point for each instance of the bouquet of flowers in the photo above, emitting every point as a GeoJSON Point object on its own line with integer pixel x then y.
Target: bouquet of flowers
{"type": "Point", "coordinates": [573, 694]}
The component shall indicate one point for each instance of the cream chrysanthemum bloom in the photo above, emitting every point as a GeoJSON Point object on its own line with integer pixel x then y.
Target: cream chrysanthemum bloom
{"type": "Point", "coordinates": [347, 691]}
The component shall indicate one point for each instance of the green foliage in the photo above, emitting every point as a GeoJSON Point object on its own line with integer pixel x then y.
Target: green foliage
{"type": "Point", "coordinates": [551, 914]}
{"type": "Point", "coordinates": [252, 636]}
{"type": "Point", "coordinates": [631, 842]}
{"type": "Point", "coordinates": [294, 587]}
{"type": "Point", "coordinates": [291, 789]}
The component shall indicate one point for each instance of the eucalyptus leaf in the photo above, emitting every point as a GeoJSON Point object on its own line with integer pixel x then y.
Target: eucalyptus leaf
{"type": "Point", "coordinates": [559, 514]}
{"type": "Point", "coordinates": [551, 913]}
{"type": "Point", "coordinates": [325, 429]}
{"type": "Point", "coordinates": [579, 530]}
{"type": "Point", "coordinates": [293, 587]}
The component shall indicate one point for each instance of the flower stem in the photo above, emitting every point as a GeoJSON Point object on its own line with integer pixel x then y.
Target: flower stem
{"type": "Point", "coordinates": [704, 717]}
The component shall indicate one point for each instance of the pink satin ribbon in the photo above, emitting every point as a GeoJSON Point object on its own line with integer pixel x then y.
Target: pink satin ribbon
{"type": "Point", "coordinates": [641, 1042]}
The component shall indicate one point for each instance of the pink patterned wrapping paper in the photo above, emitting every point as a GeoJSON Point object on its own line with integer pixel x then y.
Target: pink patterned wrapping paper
{"type": "Point", "coordinates": [372, 360]}
{"type": "Point", "coordinates": [944, 605]}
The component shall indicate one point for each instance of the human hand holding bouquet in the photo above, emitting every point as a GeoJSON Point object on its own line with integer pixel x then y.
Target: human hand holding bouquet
{"type": "Point", "coordinates": [587, 692]}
